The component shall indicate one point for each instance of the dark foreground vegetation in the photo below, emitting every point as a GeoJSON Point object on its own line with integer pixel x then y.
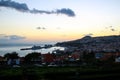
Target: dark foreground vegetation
{"type": "Point", "coordinates": [61, 73]}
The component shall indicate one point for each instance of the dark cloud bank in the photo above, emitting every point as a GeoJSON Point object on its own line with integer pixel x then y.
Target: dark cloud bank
{"type": "Point", "coordinates": [22, 7]}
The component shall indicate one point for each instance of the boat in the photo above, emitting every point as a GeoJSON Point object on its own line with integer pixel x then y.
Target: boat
{"type": "Point", "coordinates": [25, 49]}
{"type": "Point", "coordinates": [32, 48]}
{"type": "Point", "coordinates": [37, 47]}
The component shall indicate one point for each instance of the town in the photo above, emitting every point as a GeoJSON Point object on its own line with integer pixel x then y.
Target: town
{"type": "Point", "coordinates": [86, 51]}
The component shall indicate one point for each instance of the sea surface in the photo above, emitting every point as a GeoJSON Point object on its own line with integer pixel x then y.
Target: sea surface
{"type": "Point", "coordinates": [9, 48]}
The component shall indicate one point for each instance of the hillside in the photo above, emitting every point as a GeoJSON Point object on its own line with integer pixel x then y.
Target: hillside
{"type": "Point", "coordinates": [102, 43]}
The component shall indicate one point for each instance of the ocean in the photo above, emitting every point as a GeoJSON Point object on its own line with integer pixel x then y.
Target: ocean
{"type": "Point", "coordinates": [9, 48]}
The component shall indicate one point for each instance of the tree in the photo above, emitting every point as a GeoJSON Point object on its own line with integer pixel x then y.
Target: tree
{"type": "Point", "coordinates": [89, 57]}
{"type": "Point", "coordinates": [31, 57]}
{"type": "Point", "coordinates": [12, 55]}
{"type": "Point", "coordinates": [12, 58]}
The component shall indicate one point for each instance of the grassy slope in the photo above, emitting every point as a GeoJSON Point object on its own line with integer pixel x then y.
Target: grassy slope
{"type": "Point", "coordinates": [65, 73]}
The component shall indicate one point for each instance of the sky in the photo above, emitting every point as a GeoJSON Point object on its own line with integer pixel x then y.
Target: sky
{"type": "Point", "coordinates": [27, 21]}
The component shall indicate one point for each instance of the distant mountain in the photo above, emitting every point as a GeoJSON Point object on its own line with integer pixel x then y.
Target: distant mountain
{"type": "Point", "coordinates": [94, 43]}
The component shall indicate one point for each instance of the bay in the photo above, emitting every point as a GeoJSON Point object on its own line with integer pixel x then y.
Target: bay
{"type": "Point", "coordinates": [16, 48]}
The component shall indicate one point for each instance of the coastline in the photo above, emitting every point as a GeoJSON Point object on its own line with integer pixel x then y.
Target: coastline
{"type": "Point", "coordinates": [16, 48]}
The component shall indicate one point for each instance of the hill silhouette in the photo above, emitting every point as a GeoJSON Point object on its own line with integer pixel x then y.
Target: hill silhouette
{"type": "Point", "coordinates": [101, 43]}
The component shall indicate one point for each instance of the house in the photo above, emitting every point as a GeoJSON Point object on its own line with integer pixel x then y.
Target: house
{"type": "Point", "coordinates": [117, 59]}
{"type": "Point", "coordinates": [103, 55]}
{"type": "Point", "coordinates": [22, 60]}
{"type": "Point", "coordinates": [13, 61]}
{"type": "Point", "coordinates": [75, 56]}
{"type": "Point", "coordinates": [107, 55]}
{"type": "Point", "coordinates": [47, 58]}
{"type": "Point", "coordinates": [99, 55]}
{"type": "Point", "coordinates": [2, 60]}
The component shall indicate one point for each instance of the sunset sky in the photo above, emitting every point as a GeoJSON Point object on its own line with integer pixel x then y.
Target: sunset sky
{"type": "Point", "coordinates": [24, 21]}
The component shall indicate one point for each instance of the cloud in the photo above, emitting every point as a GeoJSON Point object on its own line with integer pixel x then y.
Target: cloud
{"type": "Point", "coordinates": [90, 34]}
{"type": "Point", "coordinates": [15, 37]}
{"type": "Point", "coordinates": [11, 4]}
{"type": "Point", "coordinates": [43, 28]}
{"type": "Point", "coordinates": [22, 7]}
{"type": "Point", "coordinates": [68, 11]}
{"type": "Point", "coordinates": [58, 28]}
{"type": "Point", "coordinates": [64, 35]}
{"type": "Point", "coordinates": [10, 37]}
{"type": "Point", "coordinates": [110, 28]}
{"type": "Point", "coordinates": [65, 11]}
